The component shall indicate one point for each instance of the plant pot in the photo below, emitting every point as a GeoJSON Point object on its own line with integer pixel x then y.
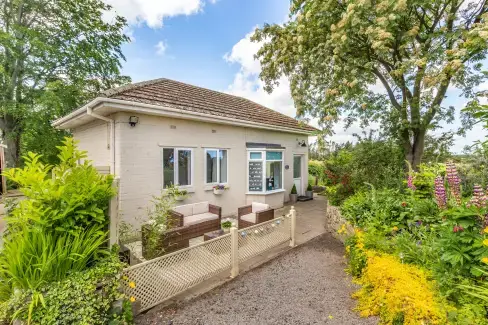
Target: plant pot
{"type": "Point", "coordinates": [293, 198]}
{"type": "Point", "coordinates": [179, 198]}
{"type": "Point", "coordinates": [226, 230]}
{"type": "Point", "coordinates": [309, 194]}
{"type": "Point", "coordinates": [218, 192]}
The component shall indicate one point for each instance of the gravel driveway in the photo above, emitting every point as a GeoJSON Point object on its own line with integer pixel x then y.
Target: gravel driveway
{"type": "Point", "coordinates": [307, 285]}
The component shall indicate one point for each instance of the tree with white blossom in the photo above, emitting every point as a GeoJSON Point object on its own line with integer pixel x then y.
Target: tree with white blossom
{"type": "Point", "coordinates": [334, 52]}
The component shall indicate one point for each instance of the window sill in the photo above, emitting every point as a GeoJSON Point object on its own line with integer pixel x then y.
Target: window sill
{"type": "Point", "coordinates": [266, 193]}
{"type": "Point", "coordinates": [209, 187]}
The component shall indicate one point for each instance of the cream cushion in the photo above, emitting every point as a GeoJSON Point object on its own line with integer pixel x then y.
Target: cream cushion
{"type": "Point", "coordinates": [198, 218]}
{"type": "Point", "coordinates": [185, 210]}
{"type": "Point", "coordinates": [251, 217]}
{"type": "Point", "coordinates": [201, 207]}
{"type": "Point", "coordinates": [256, 207]}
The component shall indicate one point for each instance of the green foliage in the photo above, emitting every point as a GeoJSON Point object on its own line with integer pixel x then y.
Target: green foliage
{"type": "Point", "coordinates": [293, 189]}
{"type": "Point", "coordinates": [173, 191]}
{"type": "Point", "coordinates": [54, 56]}
{"type": "Point", "coordinates": [68, 197]}
{"type": "Point", "coordinates": [424, 178]}
{"type": "Point", "coordinates": [316, 172]}
{"type": "Point", "coordinates": [32, 257]}
{"type": "Point", "coordinates": [333, 52]}
{"type": "Point", "coordinates": [309, 187]}
{"type": "Point", "coordinates": [349, 168]}
{"type": "Point", "coordinates": [82, 298]}
{"type": "Point", "coordinates": [226, 224]}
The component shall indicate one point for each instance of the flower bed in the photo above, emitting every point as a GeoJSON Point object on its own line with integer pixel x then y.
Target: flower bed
{"type": "Point", "coordinates": [422, 253]}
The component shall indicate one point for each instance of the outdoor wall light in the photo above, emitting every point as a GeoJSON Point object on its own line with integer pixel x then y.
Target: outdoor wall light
{"type": "Point", "coordinates": [302, 143]}
{"type": "Point", "coordinates": [133, 120]}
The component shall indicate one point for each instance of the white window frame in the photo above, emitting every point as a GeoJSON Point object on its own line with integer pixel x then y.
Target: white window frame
{"type": "Point", "coordinates": [263, 166]}
{"type": "Point", "coordinates": [175, 176]}
{"type": "Point", "coordinates": [218, 166]}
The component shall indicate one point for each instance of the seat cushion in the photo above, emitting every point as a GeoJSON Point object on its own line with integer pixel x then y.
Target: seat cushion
{"type": "Point", "coordinates": [251, 217]}
{"type": "Point", "coordinates": [256, 206]}
{"type": "Point", "coordinates": [185, 210]}
{"type": "Point", "coordinates": [199, 208]}
{"type": "Point", "coordinates": [198, 218]}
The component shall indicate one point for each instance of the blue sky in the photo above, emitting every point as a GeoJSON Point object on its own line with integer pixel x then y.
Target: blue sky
{"type": "Point", "coordinates": [206, 43]}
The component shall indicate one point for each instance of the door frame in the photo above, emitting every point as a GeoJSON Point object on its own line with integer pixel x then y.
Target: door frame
{"type": "Point", "coordinates": [300, 190]}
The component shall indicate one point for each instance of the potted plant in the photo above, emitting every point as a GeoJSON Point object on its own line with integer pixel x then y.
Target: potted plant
{"type": "Point", "coordinates": [176, 193]}
{"type": "Point", "coordinates": [309, 191]}
{"type": "Point", "coordinates": [293, 194]}
{"type": "Point", "coordinates": [226, 225]}
{"type": "Point", "coordinates": [219, 189]}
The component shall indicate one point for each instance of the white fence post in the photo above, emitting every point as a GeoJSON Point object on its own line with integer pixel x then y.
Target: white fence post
{"type": "Point", "coordinates": [113, 211]}
{"type": "Point", "coordinates": [293, 225]}
{"type": "Point", "coordinates": [234, 252]}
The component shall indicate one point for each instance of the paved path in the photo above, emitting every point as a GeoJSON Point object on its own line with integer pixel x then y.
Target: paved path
{"type": "Point", "coordinates": [307, 285]}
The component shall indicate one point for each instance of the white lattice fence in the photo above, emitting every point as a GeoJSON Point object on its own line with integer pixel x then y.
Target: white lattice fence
{"type": "Point", "coordinates": [257, 239]}
{"type": "Point", "coordinates": [162, 278]}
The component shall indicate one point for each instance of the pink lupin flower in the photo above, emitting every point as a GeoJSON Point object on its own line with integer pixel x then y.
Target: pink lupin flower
{"type": "Point", "coordinates": [454, 181]}
{"type": "Point", "coordinates": [479, 198]}
{"type": "Point", "coordinates": [440, 192]}
{"type": "Point", "coordinates": [410, 182]}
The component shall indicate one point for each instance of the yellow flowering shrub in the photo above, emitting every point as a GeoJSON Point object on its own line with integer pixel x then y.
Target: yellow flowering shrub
{"type": "Point", "coordinates": [391, 290]}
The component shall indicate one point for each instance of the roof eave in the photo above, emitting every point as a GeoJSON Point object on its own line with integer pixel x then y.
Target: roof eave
{"type": "Point", "coordinates": [124, 105]}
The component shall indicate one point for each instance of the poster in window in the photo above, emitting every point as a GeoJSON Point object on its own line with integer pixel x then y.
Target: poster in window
{"type": "Point", "coordinates": [255, 176]}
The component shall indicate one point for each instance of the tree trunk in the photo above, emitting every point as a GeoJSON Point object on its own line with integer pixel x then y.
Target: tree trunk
{"type": "Point", "coordinates": [415, 151]}
{"type": "Point", "coordinates": [11, 137]}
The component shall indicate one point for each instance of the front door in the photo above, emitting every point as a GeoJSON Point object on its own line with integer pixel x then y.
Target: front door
{"type": "Point", "coordinates": [297, 173]}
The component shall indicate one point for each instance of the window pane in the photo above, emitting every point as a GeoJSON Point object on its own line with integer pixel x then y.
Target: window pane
{"type": "Point", "coordinates": [273, 175]}
{"type": "Point", "coordinates": [274, 155]}
{"type": "Point", "coordinates": [223, 166]}
{"type": "Point", "coordinates": [256, 155]}
{"type": "Point", "coordinates": [168, 167]}
{"type": "Point", "coordinates": [297, 166]}
{"type": "Point", "coordinates": [184, 167]}
{"type": "Point", "coordinates": [211, 158]}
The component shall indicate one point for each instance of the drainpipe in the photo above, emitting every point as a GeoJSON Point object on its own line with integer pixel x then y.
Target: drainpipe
{"type": "Point", "coordinates": [111, 144]}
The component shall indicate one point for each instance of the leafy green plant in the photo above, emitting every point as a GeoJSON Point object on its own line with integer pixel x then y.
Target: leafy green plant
{"type": "Point", "coordinates": [32, 257]}
{"type": "Point", "coordinates": [173, 191]}
{"type": "Point", "coordinates": [82, 298]}
{"type": "Point", "coordinates": [226, 224]}
{"type": "Point", "coordinates": [293, 189]}
{"type": "Point", "coordinates": [309, 187]}
{"type": "Point", "coordinates": [68, 197]}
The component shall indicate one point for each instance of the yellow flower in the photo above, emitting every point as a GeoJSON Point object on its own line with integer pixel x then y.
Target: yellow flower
{"type": "Point", "coordinates": [395, 228]}
{"type": "Point", "coordinates": [348, 249]}
{"type": "Point", "coordinates": [484, 260]}
{"type": "Point", "coordinates": [125, 277]}
{"type": "Point", "coordinates": [330, 316]}
{"type": "Point", "coordinates": [132, 299]}
{"type": "Point", "coordinates": [360, 245]}
{"type": "Point", "coordinates": [485, 242]}
{"type": "Point", "coordinates": [485, 230]}
{"type": "Point", "coordinates": [132, 284]}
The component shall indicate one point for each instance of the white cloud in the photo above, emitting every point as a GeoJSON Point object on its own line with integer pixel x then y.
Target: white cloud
{"type": "Point", "coordinates": [152, 12]}
{"type": "Point", "coordinates": [161, 48]}
{"type": "Point", "coordinates": [247, 83]}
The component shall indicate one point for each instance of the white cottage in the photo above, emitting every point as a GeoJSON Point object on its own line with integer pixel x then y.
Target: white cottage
{"type": "Point", "coordinates": [160, 132]}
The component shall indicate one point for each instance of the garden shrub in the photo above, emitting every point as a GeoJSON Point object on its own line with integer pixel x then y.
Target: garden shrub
{"type": "Point", "coordinates": [68, 197]}
{"type": "Point", "coordinates": [82, 298]}
{"type": "Point", "coordinates": [399, 293]}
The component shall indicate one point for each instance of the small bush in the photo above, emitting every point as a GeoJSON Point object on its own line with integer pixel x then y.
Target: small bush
{"type": "Point", "coordinates": [395, 291]}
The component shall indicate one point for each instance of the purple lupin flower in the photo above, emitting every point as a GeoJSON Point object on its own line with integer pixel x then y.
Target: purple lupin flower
{"type": "Point", "coordinates": [479, 198]}
{"type": "Point", "coordinates": [440, 192]}
{"type": "Point", "coordinates": [454, 181]}
{"type": "Point", "coordinates": [410, 182]}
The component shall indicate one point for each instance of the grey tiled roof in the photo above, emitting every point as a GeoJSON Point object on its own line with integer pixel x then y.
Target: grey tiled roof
{"type": "Point", "coordinates": [175, 94]}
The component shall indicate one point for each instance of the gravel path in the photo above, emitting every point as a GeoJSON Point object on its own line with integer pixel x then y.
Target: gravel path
{"type": "Point", "coordinates": [307, 285]}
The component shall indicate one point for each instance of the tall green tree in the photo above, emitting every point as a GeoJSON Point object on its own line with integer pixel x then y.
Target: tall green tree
{"type": "Point", "coordinates": [335, 51]}
{"type": "Point", "coordinates": [54, 55]}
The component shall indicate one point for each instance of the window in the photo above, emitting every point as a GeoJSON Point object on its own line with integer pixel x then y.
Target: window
{"type": "Point", "coordinates": [265, 174]}
{"type": "Point", "coordinates": [215, 166]}
{"type": "Point", "coordinates": [177, 166]}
